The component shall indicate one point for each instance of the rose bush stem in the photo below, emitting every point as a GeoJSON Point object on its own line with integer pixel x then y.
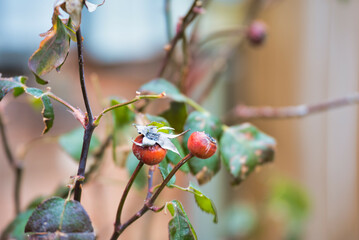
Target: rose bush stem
{"type": "Point", "coordinates": [119, 228]}
{"type": "Point", "coordinates": [89, 126]}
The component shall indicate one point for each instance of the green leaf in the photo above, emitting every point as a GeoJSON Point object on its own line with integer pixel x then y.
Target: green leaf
{"type": "Point", "coordinates": [16, 229]}
{"type": "Point", "coordinates": [72, 141]}
{"type": "Point", "coordinates": [176, 115]}
{"type": "Point", "coordinates": [121, 115]}
{"type": "Point", "coordinates": [239, 221]}
{"type": "Point", "coordinates": [8, 84]}
{"type": "Point", "coordinates": [165, 169]}
{"type": "Point", "coordinates": [174, 158]}
{"type": "Point", "coordinates": [36, 202]}
{"type": "Point", "coordinates": [131, 164]}
{"type": "Point", "coordinates": [289, 198]}
{"type": "Point", "coordinates": [180, 228]}
{"type": "Point", "coordinates": [243, 148]}
{"type": "Point", "coordinates": [59, 216]}
{"type": "Point", "coordinates": [52, 51]}
{"type": "Point", "coordinates": [203, 169]}
{"type": "Point", "coordinates": [158, 120]}
{"type": "Point", "coordinates": [160, 85]}
{"type": "Point", "coordinates": [290, 204]}
{"type": "Point", "coordinates": [17, 84]}
{"type": "Point", "coordinates": [203, 202]}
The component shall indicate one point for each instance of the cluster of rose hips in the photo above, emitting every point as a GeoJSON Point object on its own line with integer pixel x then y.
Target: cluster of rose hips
{"type": "Point", "coordinates": [199, 145]}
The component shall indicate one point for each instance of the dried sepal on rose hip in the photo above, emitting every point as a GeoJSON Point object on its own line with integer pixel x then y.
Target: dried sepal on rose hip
{"type": "Point", "coordinates": [151, 146]}
{"type": "Point", "coordinates": [201, 145]}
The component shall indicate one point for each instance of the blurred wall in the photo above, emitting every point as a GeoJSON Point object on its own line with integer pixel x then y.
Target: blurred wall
{"type": "Point", "coordinates": [312, 55]}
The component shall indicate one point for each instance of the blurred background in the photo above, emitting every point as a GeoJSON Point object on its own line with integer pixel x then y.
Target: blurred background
{"type": "Point", "coordinates": [311, 54]}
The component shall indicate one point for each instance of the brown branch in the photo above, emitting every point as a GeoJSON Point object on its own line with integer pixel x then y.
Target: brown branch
{"type": "Point", "coordinates": [119, 228]}
{"type": "Point", "coordinates": [15, 165]}
{"type": "Point", "coordinates": [190, 16]}
{"type": "Point", "coordinates": [246, 112]}
{"type": "Point", "coordinates": [89, 126]}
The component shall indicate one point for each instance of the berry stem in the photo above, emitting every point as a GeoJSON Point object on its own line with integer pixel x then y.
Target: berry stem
{"type": "Point", "coordinates": [169, 176]}
{"type": "Point", "coordinates": [125, 193]}
{"type": "Point", "coordinates": [119, 228]}
{"type": "Point", "coordinates": [150, 181]}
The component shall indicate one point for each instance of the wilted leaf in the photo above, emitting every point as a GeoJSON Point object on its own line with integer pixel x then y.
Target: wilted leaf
{"type": "Point", "coordinates": [160, 85]}
{"type": "Point", "coordinates": [204, 169]}
{"type": "Point", "coordinates": [131, 164]}
{"type": "Point", "coordinates": [52, 51]}
{"type": "Point", "coordinates": [243, 148]}
{"type": "Point", "coordinates": [17, 84]}
{"type": "Point", "coordinates": [72, 141]}
{"type": "Point", "coordinates": [73, 8]}
{"type": "Point", "coordinates": [16, 229]}
{"type": "Point", "coordinates": [91, 7]}
{"type": "Point", "coordinates": [176, 115]}
{"type": "Point", "coordinates": [165, 169]}
{"type": "Point", "coordinates": [180, 228]}
{"type": "Point", "coordinates": [57, 216]}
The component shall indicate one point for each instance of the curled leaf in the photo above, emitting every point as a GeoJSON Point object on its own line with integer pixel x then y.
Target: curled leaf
{"type": "Point", "coordinates": [52, 51]}
{"type": "Point", "coordinates": [91, 7]}
{"type": "Point", "coordinates": [17, 84]}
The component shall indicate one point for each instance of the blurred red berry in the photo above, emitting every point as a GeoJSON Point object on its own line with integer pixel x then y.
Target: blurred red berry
{"type": "Point", "coordinates": [201, 145]}
{"type": "Point", "coordinates": [150, 155]}
{"type": "Point", "coordinates": [257, 32]}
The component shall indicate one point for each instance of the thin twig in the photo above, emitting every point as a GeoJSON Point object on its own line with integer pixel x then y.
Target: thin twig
{"type": "Point", "coordinates": [149, 203]}
{"type": "Point", "coordinates": [185, 64]}
{"type": "Point", "coordinates": [16, 166]}
{"type": "Point", "coordinates": [137, 98]}
{"type": "Point", "coordinates": [246, 112]}
{"type": "Point", "coordinates": [190, 16]}
{"type": "Point", "coordinates": [89, 126]}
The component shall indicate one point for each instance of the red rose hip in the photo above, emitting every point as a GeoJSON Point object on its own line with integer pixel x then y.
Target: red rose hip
{"type": "Point", "coordinates": [150, 155]}
{"type": "Point", "coordinates": [201, 145]}
{"type": "Point", "coordinates": [257, 32]}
